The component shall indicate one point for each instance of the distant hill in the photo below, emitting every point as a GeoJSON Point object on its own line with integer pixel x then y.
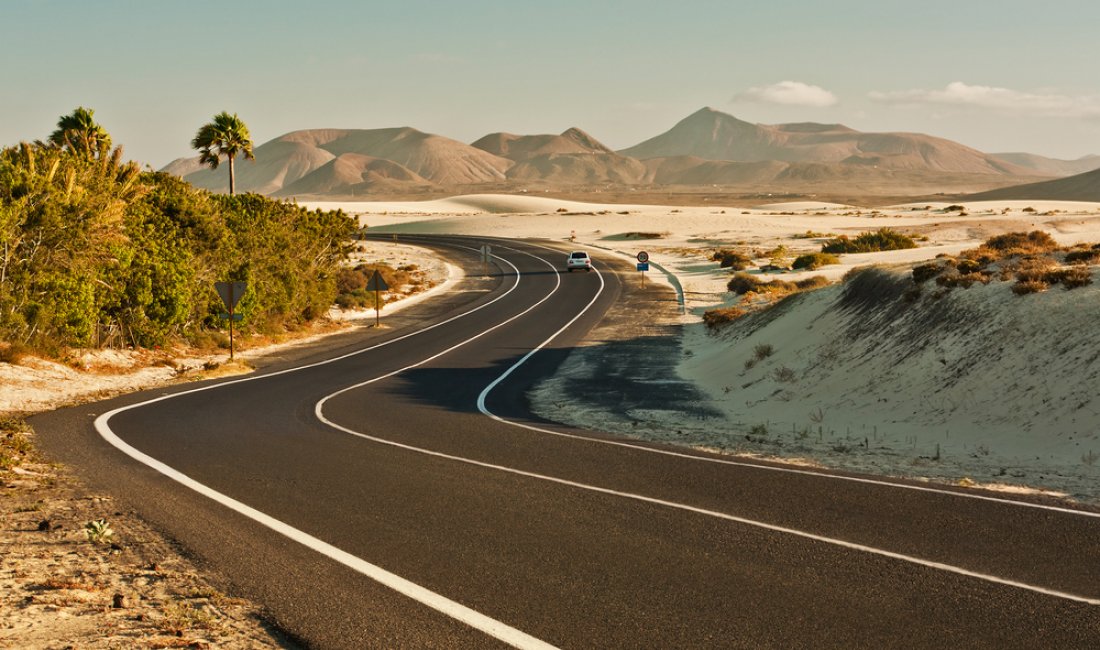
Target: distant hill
{"type": "Point", "coordinates": [1051, 166]}
{"type": "Point", "coordinates": [353, 174]}
{"type": "Point", "coordinates": [1082, 187]}
{"type": "Point", "coordinates": [708, 148]}
{"type": "Point", "coordinates": [525, 147]}
{"type": "Point", "coordinates": [291, 157]}
{"type": "Point", "coordinates": [579, 169]}
{"type": "Point", "coordinates": [714, 135]}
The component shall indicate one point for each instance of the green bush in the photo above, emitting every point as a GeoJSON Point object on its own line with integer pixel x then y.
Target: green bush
{"type": "Point", "coordinates": [883, 239]}
{"type": "Point", "coordinates": [97, 254]}
{"type": "Point", "coordinates": [812, 261]}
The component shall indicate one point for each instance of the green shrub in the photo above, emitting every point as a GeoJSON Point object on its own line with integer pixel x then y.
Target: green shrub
{"type": "Point", "coordinates": [812, 261]}
{"type": "Point", "coordinates": [883, 239]}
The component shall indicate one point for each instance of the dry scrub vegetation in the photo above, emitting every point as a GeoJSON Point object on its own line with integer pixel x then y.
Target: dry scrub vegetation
{"type": "Point", "coordinates": [1034, 260]}
{"type": "Point", "coordinates": [758, 295]}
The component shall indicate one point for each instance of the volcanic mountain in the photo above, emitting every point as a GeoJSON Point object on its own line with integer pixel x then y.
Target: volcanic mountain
{"type": "Point", "coordinates": [524, 147]}
{"type": "Point", "coordinates": [288, 158]}
{"type": "Point", "coordinates": [713, 135]}
{"type": "Point", "coordinates": [708, 148]}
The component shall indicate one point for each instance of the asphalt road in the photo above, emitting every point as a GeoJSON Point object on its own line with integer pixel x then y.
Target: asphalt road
{"type": "Point", "coordinates": [361, 494]}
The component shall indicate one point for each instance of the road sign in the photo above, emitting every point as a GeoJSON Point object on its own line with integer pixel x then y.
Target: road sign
{"type": "Point", "coordinates": [377, 283]}
{"type": "Point", "coordinates": [236, 317]}
{"type": "Point", "coordinates": [643, 266]}
{"type": "Point", "coordinates": [231, 292]}
{"type": "Point", "coordinates": [643, 257]}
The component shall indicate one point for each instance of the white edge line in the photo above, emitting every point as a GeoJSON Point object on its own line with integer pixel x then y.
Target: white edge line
{"type": "Point", "coordinates": [470, 617]}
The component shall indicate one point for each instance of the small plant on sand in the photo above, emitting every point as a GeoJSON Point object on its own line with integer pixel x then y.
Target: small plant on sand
{"type": "Point", "coordinates": [926, 272]}
{"type": "Point", "coordinates": [812, 261]}
{"type": "Point", "coordinates": [14, 353]}
{"type": "Point", "coordinates": [763, 351]}
{"type": "Point", "coordinates": [730, 259]}
{"type": "Point", "coordinates": [1024, 287]}
{"type": "Point", "coordinates": [759, 430]}
{"type": "Point", "coordinates": [98, 531]}
{"type": "Point", "coordinates": [883, 239]}
{"type": "Point", "coordinates": [784, 375]}
{"type": "Point", "coordinates": [15, 446]}
{"type": "Point", "coordinates": [1089, 458]}
{"type": "Point", "coordinates": [715, 318]}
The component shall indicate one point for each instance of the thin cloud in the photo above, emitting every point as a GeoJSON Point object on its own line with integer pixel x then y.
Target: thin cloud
{"type": "Point", "coordinates": [990, 97]}
{"type": "Point", "coordinates": [788, 93]}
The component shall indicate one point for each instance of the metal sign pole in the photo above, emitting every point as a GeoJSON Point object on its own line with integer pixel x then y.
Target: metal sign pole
{"type": "Point", "coordinates": [231, 293]}
{"type": "Point", "coordinates": [377, 310]}
{"type": "Point", "coordinates": [231, 304]}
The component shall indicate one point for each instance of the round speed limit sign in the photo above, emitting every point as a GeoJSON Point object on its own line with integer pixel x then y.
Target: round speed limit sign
{"type": "Point", "coordinates": [643, 257]}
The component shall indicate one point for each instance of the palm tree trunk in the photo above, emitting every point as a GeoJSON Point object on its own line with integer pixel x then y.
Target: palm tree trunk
{"type": "Point", "coordinates": [231, 178]}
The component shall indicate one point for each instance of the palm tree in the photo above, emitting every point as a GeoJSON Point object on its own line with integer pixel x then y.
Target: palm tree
{"type": "Point", "coordinates": [226, 136]}
{"type": "Point", "coordinates": [79, 132]}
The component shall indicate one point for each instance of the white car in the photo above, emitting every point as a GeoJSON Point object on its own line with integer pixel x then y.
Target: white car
{"type": "Point", "coordinates": [578, 260]}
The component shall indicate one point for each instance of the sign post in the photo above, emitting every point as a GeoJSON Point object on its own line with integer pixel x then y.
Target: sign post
{"type": "Point", "coordinates": [231, 293]}
{"type": "Point", "coordinates": [377, 285]}
{"type": "Point", "coordinates": [643, 265]}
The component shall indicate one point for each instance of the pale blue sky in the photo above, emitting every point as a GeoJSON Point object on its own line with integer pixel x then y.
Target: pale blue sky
{"type": "Point", "coordinates": [998, 76]}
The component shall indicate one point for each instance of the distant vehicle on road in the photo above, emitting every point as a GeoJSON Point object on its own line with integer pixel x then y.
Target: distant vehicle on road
{"type": "Point", "coordinates": [578, 260]}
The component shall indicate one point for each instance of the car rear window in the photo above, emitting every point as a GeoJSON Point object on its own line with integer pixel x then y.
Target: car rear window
{"type": "Point", "coordinates": [578, 255]}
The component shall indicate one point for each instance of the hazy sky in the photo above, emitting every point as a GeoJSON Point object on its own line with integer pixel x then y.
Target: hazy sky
{"type": "Point", "coordinates": [1007, 75]}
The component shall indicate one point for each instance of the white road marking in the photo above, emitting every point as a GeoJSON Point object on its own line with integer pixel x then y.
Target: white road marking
{"type": "Point", "coordinates": [457, 611]}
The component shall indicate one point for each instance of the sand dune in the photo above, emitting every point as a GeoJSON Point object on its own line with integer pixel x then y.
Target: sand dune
{"type": "Point", "coordinates": [1082, 187]}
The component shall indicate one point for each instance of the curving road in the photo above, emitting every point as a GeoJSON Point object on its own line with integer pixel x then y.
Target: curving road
{"type": "Point", "coordinates": [391, 490]}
